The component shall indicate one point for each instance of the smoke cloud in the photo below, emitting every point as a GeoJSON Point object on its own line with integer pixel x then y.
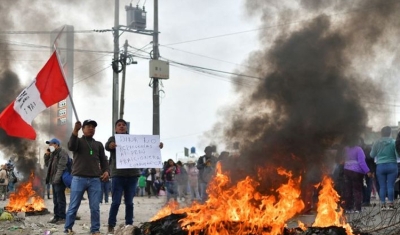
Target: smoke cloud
{"type": "Point", "coordinates": [27, 53]}
{"type": "Point", "coordinates": [320, 84]}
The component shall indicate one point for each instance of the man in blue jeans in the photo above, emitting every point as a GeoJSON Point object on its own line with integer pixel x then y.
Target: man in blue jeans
{"type": "Point", "coordinates": [89, 168]}
{"type": "Point", "coordinates": [124, 181]}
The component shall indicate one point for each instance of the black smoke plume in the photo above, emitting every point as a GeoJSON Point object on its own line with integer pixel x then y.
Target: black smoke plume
{"type": "Point", "coordinates": [26, 53]}
{"type": "Point", "coordinates": [317, 85]}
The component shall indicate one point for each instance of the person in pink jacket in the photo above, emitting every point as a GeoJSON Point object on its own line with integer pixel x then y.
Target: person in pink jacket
{"type": "Point", "coordinates": [170, 171]}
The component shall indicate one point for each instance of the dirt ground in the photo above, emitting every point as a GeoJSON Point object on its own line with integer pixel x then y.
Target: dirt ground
{"type": "Point", "coordinates": [145, 208]}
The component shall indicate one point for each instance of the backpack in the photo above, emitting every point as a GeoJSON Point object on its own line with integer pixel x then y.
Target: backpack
{"type": "Point", "coordinates": [66, 175]}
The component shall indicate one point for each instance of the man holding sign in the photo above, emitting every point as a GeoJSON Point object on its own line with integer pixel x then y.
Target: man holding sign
{"type": "Point", "coordinates": [126, 159]}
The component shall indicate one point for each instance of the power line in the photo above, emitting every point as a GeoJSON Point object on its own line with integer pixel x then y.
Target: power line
{"type": "Point", "coordinates": [204, 56]}
{"type": "Point", "coordinates": [14, 43]}
{"type": "Point", "coordinates": [212, 70]}
{"type": "Point", "coordinates": [215, 76]}
{"type": "Point", "coordinates": [92, 74]}
{"type": "Point", "coordinates": [46, 32]}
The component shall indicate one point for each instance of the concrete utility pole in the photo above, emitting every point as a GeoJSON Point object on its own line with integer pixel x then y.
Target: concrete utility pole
{"type": "Point", "coordinates": [121, 109]}
{"type": "Point", "coordinates": [156, 95]}
{"type": "Point", "coordinates": [115, 86]}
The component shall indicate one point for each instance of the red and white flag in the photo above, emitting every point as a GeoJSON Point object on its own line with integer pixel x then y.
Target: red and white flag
{"type": "Point", "coordinates": [47, 89]}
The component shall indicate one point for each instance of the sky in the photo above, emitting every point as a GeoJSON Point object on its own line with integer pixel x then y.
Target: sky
{"type": "Point", "coordinates": [256, 38]}
{"type": "Point", "coordinates": [191, 32]}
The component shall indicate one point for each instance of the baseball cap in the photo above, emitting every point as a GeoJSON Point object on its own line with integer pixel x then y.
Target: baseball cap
{"type": "Point", "coordinates": [89, 121]}
{"type": "Point", "coordinates": [53, 141]}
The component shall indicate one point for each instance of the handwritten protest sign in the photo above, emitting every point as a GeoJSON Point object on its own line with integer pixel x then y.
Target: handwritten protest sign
{"type": "Point", "coordinates": [138, 151]}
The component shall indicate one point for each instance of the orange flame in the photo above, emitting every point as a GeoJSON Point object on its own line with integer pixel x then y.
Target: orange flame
{"type": "Point", "coordinates": [328, 212]}
{"type": "Point", "coordinates": [25, 198]}
{"type": "Point", "coordinates": [241, 208]}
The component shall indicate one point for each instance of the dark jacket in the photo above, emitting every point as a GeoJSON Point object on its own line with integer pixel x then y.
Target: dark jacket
{"type": "Point", "coordinates": [397, 143]}
{"type": "Point", "coordinates": [56, 163]}
{"type": "Point", "coordinates": [369, 160]}
{"type": "Point", "coordinates": [113, 163]}
{"type": "Point", "coordinates": [206, 171]}
{"type": "Point", "coordinates": [84, 163]}
{"type": "Point", "coordinates": [152, 172]}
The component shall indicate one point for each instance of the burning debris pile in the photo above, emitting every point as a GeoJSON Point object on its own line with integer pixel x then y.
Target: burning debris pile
{"type": "Point", "coordinates": [241, 210]}
{"type": "Point", "coordinates": [170, 225]}
{"type": "Point", "coordinates": [25, 199]}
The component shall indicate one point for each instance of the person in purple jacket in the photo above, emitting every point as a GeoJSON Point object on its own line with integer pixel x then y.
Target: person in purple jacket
{"type": "Point", "coordinates": [355, 168]}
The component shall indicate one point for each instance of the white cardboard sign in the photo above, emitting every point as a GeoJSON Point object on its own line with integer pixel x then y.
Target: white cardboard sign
{"type": "Point", "coordinates": [137, 151]}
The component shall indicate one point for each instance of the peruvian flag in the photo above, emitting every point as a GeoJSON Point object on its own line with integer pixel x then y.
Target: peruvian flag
{"type": "Point", "coordinates": [47, 89]}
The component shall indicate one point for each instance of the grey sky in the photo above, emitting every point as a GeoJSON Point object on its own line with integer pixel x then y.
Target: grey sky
{"type": "Point", "coordinates": [192, 102]}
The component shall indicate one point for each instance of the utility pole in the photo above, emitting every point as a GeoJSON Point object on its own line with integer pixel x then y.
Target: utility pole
{"type": "Point", "coordinates": [121, 109]}
{"type": "Point", "coordinates": [115, 86]}
{"type": "Point", "coordinates": [156, 96]}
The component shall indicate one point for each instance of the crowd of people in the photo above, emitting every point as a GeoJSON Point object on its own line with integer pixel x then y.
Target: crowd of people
{"type": "Point", "coordinates": [98, 176]}
{"type": "Point", "coordinates": [364, 170]}
{"type": "Point", "coordinates": [360, 170]}
{"type": "Point", "coordinates": [178, 180]}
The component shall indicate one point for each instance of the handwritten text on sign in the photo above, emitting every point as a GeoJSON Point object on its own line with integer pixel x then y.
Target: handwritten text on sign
{"type": "Point", "coordinates": [138, 151]}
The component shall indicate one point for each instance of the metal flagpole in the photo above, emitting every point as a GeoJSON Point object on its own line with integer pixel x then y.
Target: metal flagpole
{"type": "Point", "coordinates": [66, 83]}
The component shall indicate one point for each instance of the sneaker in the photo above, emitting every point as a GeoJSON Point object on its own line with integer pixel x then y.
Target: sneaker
{"type": "Point", "coordinates": [391, 208]}
{"type": "Point", "coordinates": [349, 211]}
{"type": "Point", "coordinates": [110, 230]}
{"type": "Point", "coordinates": [54, 220]}
{"type": "Point", "coordinates": [60, 221]}
{"type": "Point", "coordinates": [69, 232]}
{"type": "Point", "coordinates": [96, 233]}
{"type": "Point", "coordinates": [384, 208]}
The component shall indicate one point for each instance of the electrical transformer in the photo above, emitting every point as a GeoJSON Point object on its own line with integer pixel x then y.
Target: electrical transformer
{"type": "Point", "coordinates": [135, 17]}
